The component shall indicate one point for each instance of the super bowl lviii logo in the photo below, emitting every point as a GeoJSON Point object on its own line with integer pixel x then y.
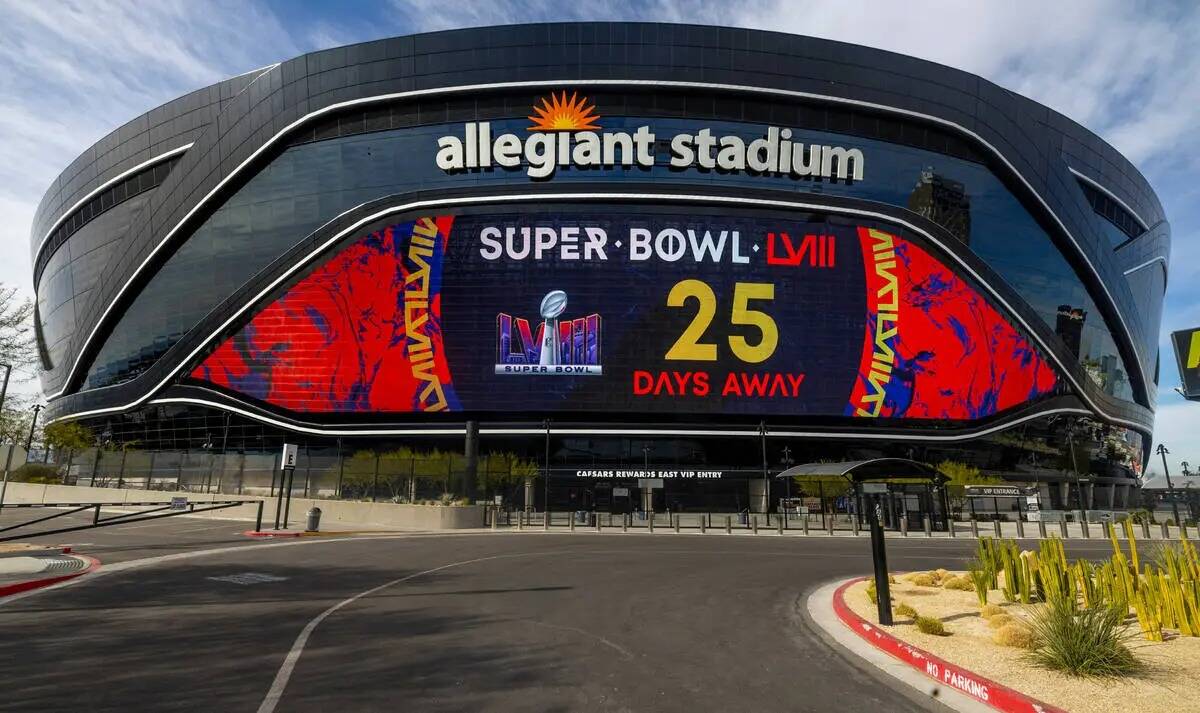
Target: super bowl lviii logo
{"type": "Point", "coordinates": [560, 346]}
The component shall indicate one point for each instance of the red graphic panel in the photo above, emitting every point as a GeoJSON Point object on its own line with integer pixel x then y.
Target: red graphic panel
{"type": "Point", "coordinates": [933, 347]}
{"type": "Point", "coordinates": [361, 333]}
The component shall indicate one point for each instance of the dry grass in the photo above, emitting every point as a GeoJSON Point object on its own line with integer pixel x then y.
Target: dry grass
{"type": "Point", "coordinates": [906, 611]}
{"type": "Point", "coordinates": [998, 620]}
{"type": "Point", "coordinates": [923, 580]}
{"type": "Point", "coordinates": [991, 610]}
{"type": "Point", "coordinates": [1014, 635]}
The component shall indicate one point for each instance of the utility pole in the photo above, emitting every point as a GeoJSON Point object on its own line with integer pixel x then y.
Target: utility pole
{"type": "Point", "coordinates": [1162, 451]}
{"type": "Point", "coordinates": [8, 459]}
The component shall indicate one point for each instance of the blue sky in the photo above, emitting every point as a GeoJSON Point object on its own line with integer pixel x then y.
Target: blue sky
{"type": "Point", "coordinates": [72, 71]}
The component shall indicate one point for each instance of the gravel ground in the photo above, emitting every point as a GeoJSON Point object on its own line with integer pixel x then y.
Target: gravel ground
{"type": "Point", "coordinates": [1169, 684]}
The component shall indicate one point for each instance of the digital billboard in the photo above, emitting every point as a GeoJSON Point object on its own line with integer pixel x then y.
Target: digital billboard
{"type": "Point", "coordinates": [633, 310]}
{"type": "Point", "coordinates": [1187, 356]}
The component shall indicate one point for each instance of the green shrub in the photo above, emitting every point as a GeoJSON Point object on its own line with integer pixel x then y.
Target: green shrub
{"type": "Point", "coordinates": [871, 593]}
{"type": "Point", "coordinates": [37, 473]}
{"type": "Point", "coordinates": [929, 625]}
{"type": "Point", "coordinates": [905, 610]}
{"type": "Point", "coordinates": [1084, 642]}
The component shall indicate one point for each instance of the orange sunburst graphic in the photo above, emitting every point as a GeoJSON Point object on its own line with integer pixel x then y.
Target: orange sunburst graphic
{"type": "Point", "coordinates": [562, 114]}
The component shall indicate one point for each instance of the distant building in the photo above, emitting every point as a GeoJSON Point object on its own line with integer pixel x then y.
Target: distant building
{"type": "Point", "coordinates": [943, 201]}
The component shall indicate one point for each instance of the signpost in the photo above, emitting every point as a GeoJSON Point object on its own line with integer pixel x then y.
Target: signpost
{"type": "Point", "coordinates": [287, 462]}
{"type": "Point", "coordinates": [179, 503]}
{"type": "Point", "coordinates": [883, 593]}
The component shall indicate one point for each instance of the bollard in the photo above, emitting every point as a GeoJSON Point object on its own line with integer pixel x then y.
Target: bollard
{"type": "Point", "coordinates": [1145, 529]}
{"type": "Point", "coordinates": [651, 522]}
{"type": "Point", "coordinates": [854, 525]}
{"type": "Point", "coordinates": [596, 515]}
{"type": "Point", "coordinates": [1183, 530]}
{"type": "Point", "coordinates": [624, 523]}
{"type": "Point", "coordinates": [755, 524]}
{"type": "Point", "coordinates": [702, 525]}
{"type": "Point", "coordinates": [495, 518]}
{"type": "Point", "coordinates": [1062, 528]}
{"type": "Point", "coordinates": [996, 528]}
{"type": "Point", "coordinates": [1042, 529]}
{"type": "Point", "coordinates": [953, 532]}
{"type": "Point", "coordinates": [779, 524]}
{"type": "Point", "coordinates": [928, 527]}
{"type": "Point", "coordinates": [546, 520]}
{"type": "Point", "coordinates": [829, 522]}
{"type": "Point", "coordinates": [1166, 534]}
{"type": "Point", "coordinates": [904, 525]}
{"type": "Point", "coordinates": [974, 528]}
{"type": "Point", "coordinates": [806, 525]}
{"type": "Point", "coordinates": [573, 519]}
{"type": "Point", "coordinates": [1020, 528]}
{"type": "Point", "coordinates": [728, 525]}
{"type": "Point", "coordinates": [520, 522]}
{"type": "Point", "coordinates": [1087, 533]}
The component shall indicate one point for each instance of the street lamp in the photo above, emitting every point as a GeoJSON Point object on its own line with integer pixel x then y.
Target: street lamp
{"type": "Point", "coordinates": [1162, 451]}
{"type": "Point", "coordinates": [37, 408]}
{"type": "Point", "coordinates": [1071, 426]}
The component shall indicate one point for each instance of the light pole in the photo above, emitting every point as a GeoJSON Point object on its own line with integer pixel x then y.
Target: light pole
{"type": "Point", "coordinates": [1075, 471]}
{"type": "Point", "coordinates": [37, 408]}
{"type": "Point", "coordinates": [8, 458]}
{"type": "Point", "coordinates": [1162, 451]}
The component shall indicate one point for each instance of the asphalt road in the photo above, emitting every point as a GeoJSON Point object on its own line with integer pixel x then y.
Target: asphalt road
{"type": "Point", "coordinates": [507, 622]}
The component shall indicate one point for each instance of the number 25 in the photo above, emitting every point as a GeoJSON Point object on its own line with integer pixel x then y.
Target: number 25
{"type": "Point", "coordinates": [689, 348]}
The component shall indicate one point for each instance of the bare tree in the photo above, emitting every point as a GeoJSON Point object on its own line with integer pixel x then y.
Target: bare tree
{"type": "Point", "coordinates": [17, 346]}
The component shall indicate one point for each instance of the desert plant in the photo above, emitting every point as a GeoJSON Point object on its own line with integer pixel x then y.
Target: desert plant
{"type": "Point", "coordinates": [1081, 642]}
{"type": "Point", "coordinates": [990, 610]}
{"type": "Point", "coordinates": [905, 610]}
{"type": "Point", "coordinates": [930, 625]}
{"type": "Point", "coordinates": [924, 580]}
{"type": "Point", "coordinates": [981, 579]}
{"type": "Point", "coordinates": [999, 620]}
{"type": "Point", "coordinates": [961, 583]}
{"type": "Point", "coordinates": [872, 594]}
{"type": "Point", "coordinates": [1015, 635]}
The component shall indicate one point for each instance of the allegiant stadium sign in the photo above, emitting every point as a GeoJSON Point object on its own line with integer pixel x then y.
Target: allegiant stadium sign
{"type": "Point", "coordinates": [564, 133]}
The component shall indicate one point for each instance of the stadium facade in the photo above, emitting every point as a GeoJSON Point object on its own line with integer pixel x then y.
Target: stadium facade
{"type": "Point", "coordinates": [628, 251]}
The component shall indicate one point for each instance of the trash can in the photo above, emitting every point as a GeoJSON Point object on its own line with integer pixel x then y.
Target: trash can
{"type": "Point", "coordinates": [314, 520]}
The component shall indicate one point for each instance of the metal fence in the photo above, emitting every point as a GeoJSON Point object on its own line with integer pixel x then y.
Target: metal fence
{"type": "Point", "coordinates": [327, 473]}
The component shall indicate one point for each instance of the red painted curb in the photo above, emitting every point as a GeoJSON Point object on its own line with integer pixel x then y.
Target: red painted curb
{"type": "Point", "coordinates": [269, 533]}
{"type": "Point", "coordinates": [960, 679]}
{"type": "Point", "coordinates": [11, 589]}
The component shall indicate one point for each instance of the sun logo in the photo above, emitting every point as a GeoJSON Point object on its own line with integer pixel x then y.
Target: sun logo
{"type": "Point", "coordinates": [562, 114]}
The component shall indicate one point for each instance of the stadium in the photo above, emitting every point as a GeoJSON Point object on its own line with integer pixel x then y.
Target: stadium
{"type": "Point", "coordinates": [643, 266]}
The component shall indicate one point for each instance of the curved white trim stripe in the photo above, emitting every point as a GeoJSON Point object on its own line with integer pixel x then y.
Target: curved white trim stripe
{"type": "Point", "coordinates": [1148, 263]}
{"type": "Point", "coordinates": [299, 264]}
{"type": "Point", "coordinates": [645, 431]}
{"type": "Point", "coordinates": [594, 82]}
{"type": "Point", "coordinates": [103, 187]}
{"type": "Point", "coordinates": [1112, 196]}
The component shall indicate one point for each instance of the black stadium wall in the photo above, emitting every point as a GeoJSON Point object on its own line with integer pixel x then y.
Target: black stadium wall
{"type": "Point", "coordinates": [604, 228]}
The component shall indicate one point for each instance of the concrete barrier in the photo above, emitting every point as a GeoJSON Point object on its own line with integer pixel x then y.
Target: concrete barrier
{"type": "Point", "coordinates": [348, 514]}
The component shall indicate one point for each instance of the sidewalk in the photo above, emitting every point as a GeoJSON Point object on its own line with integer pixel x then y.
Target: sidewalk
{"type": "Point", "coordinates": [22, 572]}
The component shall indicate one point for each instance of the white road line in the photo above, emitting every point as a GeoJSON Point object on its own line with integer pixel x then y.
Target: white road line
{"type": "Point", "coordinates": [289, 662]}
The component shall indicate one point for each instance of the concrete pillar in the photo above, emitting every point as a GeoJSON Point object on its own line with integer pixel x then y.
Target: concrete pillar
{"type": "Point", "coordinates": [758, 495]}
{"type": "Point", "coordinates": [1064, 492]}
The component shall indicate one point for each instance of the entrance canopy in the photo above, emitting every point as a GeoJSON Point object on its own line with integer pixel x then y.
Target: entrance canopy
{"type": "Point", "coordinates": [858, 471]}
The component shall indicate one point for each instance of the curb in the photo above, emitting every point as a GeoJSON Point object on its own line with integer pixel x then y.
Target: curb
{"type": "Point", "coordinates": [968, 683]}
{"type": "Point", "coordinates": [30, 584]}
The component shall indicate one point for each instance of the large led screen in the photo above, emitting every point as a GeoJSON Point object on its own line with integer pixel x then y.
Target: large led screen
{"type": "Point", "coordinates": [633, 310]}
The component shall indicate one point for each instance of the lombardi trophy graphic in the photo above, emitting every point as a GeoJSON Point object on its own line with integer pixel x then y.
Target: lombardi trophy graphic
{"type": "Point", "coordinates": [553, 305]}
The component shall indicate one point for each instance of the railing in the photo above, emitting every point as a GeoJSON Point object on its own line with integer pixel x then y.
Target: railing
{"type": "Point", "coordinates": [175, 508]}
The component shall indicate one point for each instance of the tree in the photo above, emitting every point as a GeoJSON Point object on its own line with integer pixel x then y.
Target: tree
{"type": "Point", "coordinates": [67, 434]}
{"type": "Point", "coordinates": [17, 346]}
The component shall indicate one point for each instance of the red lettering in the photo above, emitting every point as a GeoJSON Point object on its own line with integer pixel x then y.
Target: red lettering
{"type": "Point", "coordinates": [663, 382]}
{"type": "Point", "coordinates": [701, 380]}
{"type": "Point", "coordinates": [756, 385]}
{"type": "Point", "coordinates": [642, 381]}
{"type": "Point", "coordinates": [731, 385]}
{"type": "Point", "coordinates": [795, 380]}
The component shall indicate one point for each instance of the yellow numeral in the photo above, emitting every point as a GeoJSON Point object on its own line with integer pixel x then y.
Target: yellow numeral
{"type": "Point", "coordinates": [688, 347]}
{"type": "Point", "coordinates": [743, 292]}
